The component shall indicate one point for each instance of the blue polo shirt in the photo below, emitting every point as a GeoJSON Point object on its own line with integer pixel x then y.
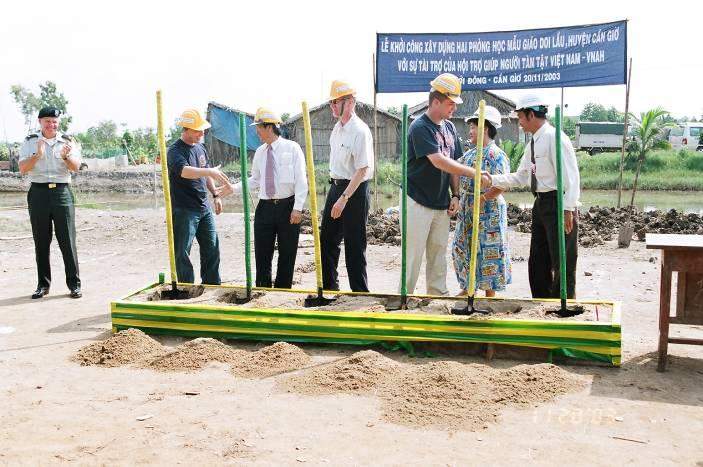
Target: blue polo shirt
{"type": "Point", "coordinates": [187, 193]}
{"type": "Point", "coordinates": [428, 185]}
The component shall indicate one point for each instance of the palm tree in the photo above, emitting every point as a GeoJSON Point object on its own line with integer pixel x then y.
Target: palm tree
{"type": "Point", "coordinates": [649, 125]}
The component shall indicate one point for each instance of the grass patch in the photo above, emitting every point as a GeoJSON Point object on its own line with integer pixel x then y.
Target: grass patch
{"type": "Point", "coordinates": [662, 170]}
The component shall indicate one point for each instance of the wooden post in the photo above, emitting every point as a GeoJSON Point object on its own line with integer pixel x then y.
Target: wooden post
{"type": "Point", "coordinates": [664, 304]}
{"type": "Point", "coordinates": [624, 131]}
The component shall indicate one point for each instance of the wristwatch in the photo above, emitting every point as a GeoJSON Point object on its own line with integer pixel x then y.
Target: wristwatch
{"type": "Point", "coordinates": [346, 196]}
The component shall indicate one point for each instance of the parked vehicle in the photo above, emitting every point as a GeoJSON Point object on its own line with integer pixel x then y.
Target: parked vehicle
{"type": "Point", "coordinates": [687, 135]}
{"type": "Point", "coordinates": [597, 137]}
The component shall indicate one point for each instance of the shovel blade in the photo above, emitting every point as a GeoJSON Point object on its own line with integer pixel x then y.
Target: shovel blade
{"type": "Point", "coordinates": [569, 311]}
{"type": "Point", "coordinates": [312, 301]}
{"type": "Point", "coordinates": [174, 294]}
{"type": "Point", "coordinates": [467, 310]}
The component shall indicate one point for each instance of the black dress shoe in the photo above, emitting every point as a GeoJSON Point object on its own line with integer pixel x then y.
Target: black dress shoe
{"type": "Point", "coordinates": [76, 293]}
{"type": "Point", "coordinates": [40, 292]}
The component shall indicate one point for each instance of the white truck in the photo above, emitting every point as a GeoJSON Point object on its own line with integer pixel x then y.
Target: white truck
{"type": "Point", "coordinates": [597, 137]}
{"type": "Point", "coordinates": [687, 136]}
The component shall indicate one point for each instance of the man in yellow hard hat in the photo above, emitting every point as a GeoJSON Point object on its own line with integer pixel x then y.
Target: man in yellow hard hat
{"type": "Point", "coordinates": [347, 204]}
{"type": "Point", "coordinates": [433, 147]}
{"type": "Point", "coordinates": [191, 178]}
{"type": "Point", "coordinates": [278, 173]}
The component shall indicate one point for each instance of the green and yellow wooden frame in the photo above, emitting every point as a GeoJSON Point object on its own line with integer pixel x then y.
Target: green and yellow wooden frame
{"type": "Point", "coordinates": [588, 340]}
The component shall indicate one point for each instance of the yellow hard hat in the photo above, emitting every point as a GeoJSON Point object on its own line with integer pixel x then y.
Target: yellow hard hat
{"type": "Point", "coordinates": [340, 89]}
{"type": "Point", "coordinates": [264, 115]}
{"type": "Point", "coordinates": [191, 119]}
{"type": "Point", "coordinates": [449, 85]}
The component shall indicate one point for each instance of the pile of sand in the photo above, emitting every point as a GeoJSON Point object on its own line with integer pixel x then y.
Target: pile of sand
{"type": "Point", "coordinates": [443, 394]}
{"type": "Point", "coordinates": [133, 346]}
{"type": "Point", "coordinates": [276, 358]}
{"type": "Point", "coordinates": [446, 394]}
{"type": "Point", "coordinates": [362, 371]}
{"type": "Point", "coordinates": [530, 384]}
{"type": "Point", "coordinates": [452, 395]}
{"type": "Point", "coordinates": [191, 292]}
{"type": "Point", "coordinates": [123, 348]}
{"type": "Point", "coordinates": [355, 303]}
{"type": "Point", "coordinates": [197, 354]}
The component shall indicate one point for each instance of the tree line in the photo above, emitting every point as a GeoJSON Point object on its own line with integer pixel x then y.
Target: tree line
{"type": "Point", "coordinates": [109, 138]}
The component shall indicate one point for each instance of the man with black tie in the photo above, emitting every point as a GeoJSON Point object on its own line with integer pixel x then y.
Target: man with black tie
{"type": "Point", "coordinates": [538, 170]}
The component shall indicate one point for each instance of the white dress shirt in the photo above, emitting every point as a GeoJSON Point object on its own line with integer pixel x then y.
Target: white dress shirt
{"type": "Point", "coordinates": [51, 168]}
{"type": "Point", "coordinates": [288, 172]}
{"type": "Point", "coordinates": [546, 163]}
{"type": "Point", "coordinates": [351, 149]}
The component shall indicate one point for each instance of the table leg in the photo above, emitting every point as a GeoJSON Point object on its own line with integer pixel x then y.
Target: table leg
{"type": "Point", "coordinates": [664, 305]}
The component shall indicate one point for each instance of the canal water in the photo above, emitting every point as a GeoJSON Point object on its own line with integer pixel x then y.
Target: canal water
{"type": "Point", "coordinates": [685, 201]}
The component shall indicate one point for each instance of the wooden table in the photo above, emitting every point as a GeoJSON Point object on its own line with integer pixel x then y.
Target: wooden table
{"type": "Point", "coordinates": [683, 254]}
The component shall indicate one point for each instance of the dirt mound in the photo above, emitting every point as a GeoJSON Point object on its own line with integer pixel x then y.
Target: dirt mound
{"type": "Point", "coordinates": [381, 228]}
{"type": "Point", "coordinates": [600, 224]}
{"type": "Point", "coordinates": [363, 371]}
{"type": "Point", "coordinates": [443, 394]}
{"type": "Point", "coordinates": [446, 394]}
{"type": "Point", "coordinates": [530, 384]}
{"type": "Point", "coordinates": [124, 348]}
{"type": "Point", "coordinates": [596, 225]}
{"type": "Point", "coordinates": [197, 354]}
{"type": "Point", "coordinates": [355, 303]}
{"type": "Point", "coordinates": [276, 358]}
{"type": "Point", "coordinates": [305, 267]}
{"type": "Point", "coordinates": [457, 396]}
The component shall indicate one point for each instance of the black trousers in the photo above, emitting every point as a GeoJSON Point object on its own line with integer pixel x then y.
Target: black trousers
{"type": "Point", "coordinates": [543, 265]}
{"type": "Point", "coordinates": [271, 223]}
{"type": "Point", "coordinates": [350, 227]}
{"type": "Point", "coordinates": [52, 209]}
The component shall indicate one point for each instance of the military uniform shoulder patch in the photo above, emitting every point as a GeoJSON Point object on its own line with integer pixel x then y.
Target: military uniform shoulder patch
{"type": "Point", "coordinates": [33, 135]}
{"type": "Point", "coordinates": [67, 138]}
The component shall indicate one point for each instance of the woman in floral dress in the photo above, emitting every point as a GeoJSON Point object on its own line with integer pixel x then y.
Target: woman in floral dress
{"type": "Point", "coordinates": [493, 268]}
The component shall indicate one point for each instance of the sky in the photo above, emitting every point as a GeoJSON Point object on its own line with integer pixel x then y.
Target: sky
{"type": "Point", "coordinates": [109, 58]}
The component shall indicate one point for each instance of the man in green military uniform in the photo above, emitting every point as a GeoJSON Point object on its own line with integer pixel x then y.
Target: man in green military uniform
{"type": "Point", "coordinates": [49, 157]}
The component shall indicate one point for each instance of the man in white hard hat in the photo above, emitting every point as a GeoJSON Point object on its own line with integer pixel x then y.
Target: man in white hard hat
{"type": "Point", "coordinates": [347, 205]}
{"type": "Point", "coordinates": [538, 171]}
{"type": "Point", "coordinates": [191, 178]}
{"type": "Point", "coordinates": [278, 173]}
{"type": "Point", "coordinates": [433, 147]}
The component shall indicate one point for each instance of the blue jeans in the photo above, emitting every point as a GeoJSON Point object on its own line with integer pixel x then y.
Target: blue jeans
{"type": "Point", "coordinates": [189, 224]}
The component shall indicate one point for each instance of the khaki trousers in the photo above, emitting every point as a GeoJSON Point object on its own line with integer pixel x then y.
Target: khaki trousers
{"type": "Point", "coordinates": [427, 235]}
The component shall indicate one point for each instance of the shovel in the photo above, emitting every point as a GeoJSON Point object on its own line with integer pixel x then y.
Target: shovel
{"type": "Point", "coordinates": [470, 309]}
{"type": "Point", "coordinates": [174, 293]}
{"type": "Point", "coordinates": [563, 311]}
{"type": "Point", "coordinates": [313, 300]}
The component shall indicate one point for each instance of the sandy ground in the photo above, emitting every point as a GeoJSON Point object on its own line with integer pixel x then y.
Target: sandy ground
{"type": "Point", "coordinates": [56, 411]}
{"type": "Point", "coordinates": [499, 308]}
